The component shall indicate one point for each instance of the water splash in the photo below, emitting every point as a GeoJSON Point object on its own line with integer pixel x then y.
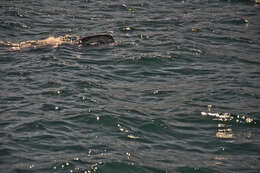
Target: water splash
{"type": "Point", "coordinates": [228, 116]}
{"type": "Point", "coordinates": [226, 129]}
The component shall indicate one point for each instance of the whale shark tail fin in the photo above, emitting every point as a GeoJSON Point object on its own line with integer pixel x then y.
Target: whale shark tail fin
{"type": "Point", "coordinates": [96, 40]}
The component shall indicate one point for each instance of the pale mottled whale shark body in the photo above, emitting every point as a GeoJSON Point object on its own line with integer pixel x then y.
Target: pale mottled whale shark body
{"type": "Point", "coordinates": [88, 41]}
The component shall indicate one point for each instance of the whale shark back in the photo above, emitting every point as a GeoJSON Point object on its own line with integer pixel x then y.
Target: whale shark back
{"type": "Point", "coordinates": [97, 40]}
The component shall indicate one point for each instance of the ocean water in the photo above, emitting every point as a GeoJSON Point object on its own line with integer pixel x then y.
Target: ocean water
{"type": "Point", "coordinates": [178, 92]}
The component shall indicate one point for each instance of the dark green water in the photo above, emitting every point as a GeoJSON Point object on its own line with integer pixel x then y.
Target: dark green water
{"type": "Point", "coordinates": [134, 107]}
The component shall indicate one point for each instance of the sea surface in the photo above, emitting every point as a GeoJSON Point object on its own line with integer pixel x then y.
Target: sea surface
{"type": "Point", "coordinates": [179, 92]}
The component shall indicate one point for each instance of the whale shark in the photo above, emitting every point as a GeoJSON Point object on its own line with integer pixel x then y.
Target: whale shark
{"type": "Point", "coordinates": [87, 41]}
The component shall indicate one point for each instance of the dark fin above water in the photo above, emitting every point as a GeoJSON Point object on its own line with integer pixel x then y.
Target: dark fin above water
{"type": "Point", "coordinates": [97, 40]}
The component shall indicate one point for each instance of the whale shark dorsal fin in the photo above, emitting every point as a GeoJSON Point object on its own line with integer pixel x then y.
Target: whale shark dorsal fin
{"type": "Point", "coordinates": [96, 40]}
